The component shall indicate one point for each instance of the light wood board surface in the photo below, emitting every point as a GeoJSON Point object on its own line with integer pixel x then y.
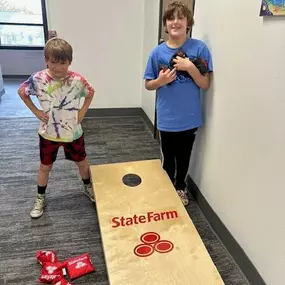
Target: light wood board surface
{"type": "Point", "coordinates": [126, 213]}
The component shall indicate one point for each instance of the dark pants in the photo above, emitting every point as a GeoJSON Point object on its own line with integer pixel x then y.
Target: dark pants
{"type": "Point", "coordinates": [176, 148]}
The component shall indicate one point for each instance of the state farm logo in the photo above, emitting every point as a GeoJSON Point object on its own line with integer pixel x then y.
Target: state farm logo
{"type": "Point", "coordinates": [51, 269]}
{"type": "Point", "coordinates": [151, 242]}
{"type": "Point", "coordinates": [80, 264]}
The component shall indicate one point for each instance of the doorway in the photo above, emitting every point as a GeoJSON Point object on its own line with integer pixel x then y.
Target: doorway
{"type": "Point", "coordinates": [163, 6]}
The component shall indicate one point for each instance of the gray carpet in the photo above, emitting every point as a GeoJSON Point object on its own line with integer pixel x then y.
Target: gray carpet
{"type": "Point", "coordinates": [69, 225]}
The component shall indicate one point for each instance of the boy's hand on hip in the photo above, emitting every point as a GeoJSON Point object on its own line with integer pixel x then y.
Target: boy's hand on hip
{"type": "Point", "coordinates": [166, 76]}
{"type": "Point", "coordinates": [80, 116]}
{"type": "Point", "coordinates": [42, 116]}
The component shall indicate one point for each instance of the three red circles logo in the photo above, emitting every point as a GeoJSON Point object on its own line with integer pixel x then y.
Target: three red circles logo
{"type": "Point", "coordinates": [151, 242]}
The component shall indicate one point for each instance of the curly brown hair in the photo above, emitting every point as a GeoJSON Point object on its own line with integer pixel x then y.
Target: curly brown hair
{"type": "Point", "coordinates": [182, 10]}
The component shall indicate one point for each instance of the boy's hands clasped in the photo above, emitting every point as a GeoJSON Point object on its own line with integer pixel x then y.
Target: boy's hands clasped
{"type": "Point", "coordinates": [167, 76]}
{"type": "Point", "coordinates": [182, 64]}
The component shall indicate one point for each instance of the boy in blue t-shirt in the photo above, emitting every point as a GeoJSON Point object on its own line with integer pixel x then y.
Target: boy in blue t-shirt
{"type": "Point", "coordinates": [178, 69]}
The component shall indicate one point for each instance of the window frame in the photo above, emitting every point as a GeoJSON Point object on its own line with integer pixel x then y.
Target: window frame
{"type": "Point", "coordinates": [44, 25]}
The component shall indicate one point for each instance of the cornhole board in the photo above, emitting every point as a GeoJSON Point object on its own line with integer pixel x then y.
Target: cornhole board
{"type": "Point", "coordinates": [147, 234]}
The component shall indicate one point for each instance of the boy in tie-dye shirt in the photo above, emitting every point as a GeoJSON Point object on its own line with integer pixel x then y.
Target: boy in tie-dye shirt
{"type": "Point", "coordinates": [59, 92]}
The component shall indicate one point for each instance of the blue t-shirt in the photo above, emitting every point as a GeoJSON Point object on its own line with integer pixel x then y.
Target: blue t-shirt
{"type": "Point", "coordinates": [178, 103]}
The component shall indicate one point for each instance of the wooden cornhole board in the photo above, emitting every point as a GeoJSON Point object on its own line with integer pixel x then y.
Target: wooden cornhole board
{"type": "Point", "coordinates": [148, 237]}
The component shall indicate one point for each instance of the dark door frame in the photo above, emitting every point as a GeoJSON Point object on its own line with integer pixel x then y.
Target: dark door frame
{"type": "Point", "coordinates": [159, 41]}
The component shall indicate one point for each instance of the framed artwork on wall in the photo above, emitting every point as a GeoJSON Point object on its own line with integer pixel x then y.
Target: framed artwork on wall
{"type": "Point", "coordinates": [272, 8]}
{"type": "Point", "coordinates": [52, 34]}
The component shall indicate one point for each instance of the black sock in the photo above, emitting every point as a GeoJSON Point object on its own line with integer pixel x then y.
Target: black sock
{"type": "Point", "coordinates": [42, 189]}
{"type": "Point", "coordinates": [86, 181]}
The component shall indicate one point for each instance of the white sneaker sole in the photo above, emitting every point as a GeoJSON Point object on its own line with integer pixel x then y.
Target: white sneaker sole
{"type": "Point", "coordinates": [33, 216]}
{"type": "Point", "coordinates": [87, 195]}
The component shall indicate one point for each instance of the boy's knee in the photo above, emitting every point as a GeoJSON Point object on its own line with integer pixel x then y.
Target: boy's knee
{"type": "Point", "coordinates": [82, 163]}
{"type": "Point", "coordinates": [45, 168]}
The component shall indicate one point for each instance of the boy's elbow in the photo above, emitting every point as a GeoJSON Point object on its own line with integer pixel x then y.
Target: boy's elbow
{"type": "Point", "coordinates": [151, 84]}
{"type": "Point", "coordinates": [21, 92]}
{"type": "Point", "coordinates": [205, 84]}
{"type": "Point", "coordinates": [146, 85]}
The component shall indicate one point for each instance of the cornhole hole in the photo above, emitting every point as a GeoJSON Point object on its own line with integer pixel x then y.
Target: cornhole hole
{"type": "Point", "coordinates": [147, 235]}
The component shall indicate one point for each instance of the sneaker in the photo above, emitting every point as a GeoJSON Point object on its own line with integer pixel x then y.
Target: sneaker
{"type": "Point", "coordinates": [39, 205]}
{"type": "Point", "coordinates": [183, 196]}
{"type": "Point", "coordinates": [88, 191]}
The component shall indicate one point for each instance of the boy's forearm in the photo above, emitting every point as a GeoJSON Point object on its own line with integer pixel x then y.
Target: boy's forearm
{"type": "Point", "coordinates": [29, 103]}
{"type": "Point", "coordinates": [152, 84]}
{"type": "Point", "coordinates": [86, 105]}
{"type": "Point", "coordinates": [203, 81]}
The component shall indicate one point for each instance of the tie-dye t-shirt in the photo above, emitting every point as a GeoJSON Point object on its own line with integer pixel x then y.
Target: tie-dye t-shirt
{"type": "Point", "coordinates": [61, 100]}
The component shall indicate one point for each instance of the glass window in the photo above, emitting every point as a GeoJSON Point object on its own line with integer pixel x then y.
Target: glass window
{"type": "Point", "coordinates": [21, 23]}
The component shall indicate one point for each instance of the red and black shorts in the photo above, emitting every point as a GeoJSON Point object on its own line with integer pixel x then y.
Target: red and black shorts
{"type": "Point", "coordinates": [74, 151]}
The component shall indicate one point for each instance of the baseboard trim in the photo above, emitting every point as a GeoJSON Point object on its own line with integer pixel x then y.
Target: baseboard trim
{"type": "Point", "coordinates": [114, 112]}
{"type": "Point", "coordinates": [20, 76]}
{"type": "Point", "coordinates": [232, 246]}
{"type": "Point", "coordinates": [147, 121]}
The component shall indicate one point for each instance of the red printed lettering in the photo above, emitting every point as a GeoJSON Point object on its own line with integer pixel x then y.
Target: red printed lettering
{"type": "Point", "coordinates": [147, 218]}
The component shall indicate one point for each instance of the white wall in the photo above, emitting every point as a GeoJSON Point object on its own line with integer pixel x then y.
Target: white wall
{"type": "Point", "coordinates": [108, 48]}
{"type": "Point", "coordinates": [151, 26]}
{"type": "Point", "coordinates": [107, 38]}
{"type": "Point", "coordinates": [21, 62]}
{"type": "Point", "coordinates": [239, 156]}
